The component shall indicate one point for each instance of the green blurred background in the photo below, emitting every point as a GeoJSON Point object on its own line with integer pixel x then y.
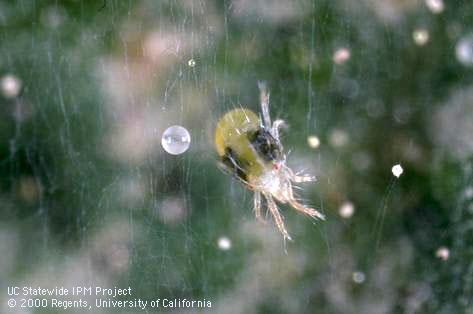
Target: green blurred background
{"type": "Point", "coordinates": [89, 197]}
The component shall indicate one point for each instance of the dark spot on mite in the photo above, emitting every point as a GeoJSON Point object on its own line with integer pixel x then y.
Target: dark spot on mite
{"type": "Point", "coordinates": [265, 145]}
{"type": "Point", "coordinates": [232, 161]}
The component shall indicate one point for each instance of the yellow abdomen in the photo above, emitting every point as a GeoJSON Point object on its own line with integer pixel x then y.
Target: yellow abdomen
{"type": "Point", "coordinates": [232, 133]}
{"type": "Point", "coordinates": [232, 128]}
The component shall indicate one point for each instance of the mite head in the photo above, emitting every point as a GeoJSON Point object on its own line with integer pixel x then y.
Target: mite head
{"type": "Point", "coordinates": [267, 147]}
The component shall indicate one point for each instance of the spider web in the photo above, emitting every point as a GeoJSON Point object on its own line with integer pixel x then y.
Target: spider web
{"type": "Point", "coordinates": [90, 198]}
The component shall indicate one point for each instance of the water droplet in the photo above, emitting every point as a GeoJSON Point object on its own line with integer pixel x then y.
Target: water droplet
{"type": "Point", "coordinates": [397, 170]}
{"type": "Point", "coordinates": [443, 253]}
{"type": "Point", "coordinates": [347, 210]}
{"type": "Point", "coordinates": [10, 86]}
{"type": "Point", "coordinates": [313, 141]}
{"type": "Point", "coordinates": [224, 243]}
{"type": "Point", "coordinates": [421, 36]}
{"type": "Point", "coordinates": [358, 277]}
{"type": "Point", "coordinates": [341, 56]}
{"type": "Point", "coordinates": [191, 63]}
{"type": "Point", "coordinates": [176, 140]}
{"type": "Point", "coordinates": [464, 50]}
{"type": "Point", "coordinates": [435, 6]}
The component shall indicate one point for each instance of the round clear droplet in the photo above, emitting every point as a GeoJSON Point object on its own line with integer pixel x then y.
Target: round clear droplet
{"type": "Point", "coordinates": [313, 141]}
{"type": "Point", "coordinates": [358, 277]}
{"type": "Point", "coordinates": [397, 170]}
{"type": "Point", "coordinates": [421, 36]}
{"type": "Point", "coordinates": [346, 210]}
{"type": "Point", "coordinates": [10, 86]}
{"type": "Point", "coordinates": [443, 253]}
{"type": "Point", "coordinates": [176, 140]}
{"type": "Point", "coordinates": [224, 243]}
{"type": "Point", "coordinates": [464, 51]}
{"type": "Point", "coordinates": [435, 6]}
{"type": "Point", "coordinates": [341, 56]}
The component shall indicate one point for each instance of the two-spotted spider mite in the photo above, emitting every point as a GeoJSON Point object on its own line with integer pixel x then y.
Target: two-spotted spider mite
{"type": "Point", "coordinates": [249, 147]}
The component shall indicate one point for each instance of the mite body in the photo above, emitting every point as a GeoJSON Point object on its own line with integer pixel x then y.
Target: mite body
{"type": "Point", "coordinates": [249, 147]}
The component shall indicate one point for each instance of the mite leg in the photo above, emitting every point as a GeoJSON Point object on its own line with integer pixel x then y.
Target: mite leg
{"type": "Point", "coordinates": [297, 178]}
{"type": "Point", "coordinates": [277, 217]}
{"type": "Point", "coordinates": [257, 199]}
{"type": "Point", "coordinates": [305, 210]}
{"type": "Point", "coordinates": [301, 208]}
{"type": "Point", "coordinates": [275, 128]}
{"type": "Point", "coordinates": [264, 100]}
